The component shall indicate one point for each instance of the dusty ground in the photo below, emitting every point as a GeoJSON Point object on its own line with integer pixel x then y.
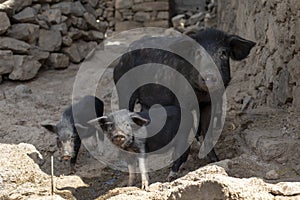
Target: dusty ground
{"type": "Point", "coordinates": [256, 142]}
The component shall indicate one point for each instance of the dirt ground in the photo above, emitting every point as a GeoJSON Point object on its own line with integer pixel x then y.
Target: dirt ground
{"type": "Point", "coordinates": [255, 142]}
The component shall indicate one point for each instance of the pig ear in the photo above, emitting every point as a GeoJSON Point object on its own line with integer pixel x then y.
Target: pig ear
{"type": "Point", "coordinates": [139, 120]}
{"type": "Point", "coordinates": [50, 127]}
{"type": "Point", "coordinates": [239, 47]}
{"type": "Point", "coordinates": [99, 121]}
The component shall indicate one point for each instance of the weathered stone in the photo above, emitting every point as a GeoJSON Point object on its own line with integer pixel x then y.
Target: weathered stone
{"type": "Point", "coordinates": [22, 90]}
{"type": "Point", "coordinates": [26, 68]}
{"type": "Point", "coordinates": [43, 24]}
{"type": "Point", "coordinates": [93, 3]}
{"type": "Point", "coordinates": [58, 61]}
{"type": "Point", "coordinates": [15, 45]}
{"type": "Point", "coordinates": [74, 33]}
{"type": "Point", "coordinates": [4, 22]}
{"type": "Point", "coordinates": [67, 40]}
{"type": "Point", "coordinates": [38, 54]}
{"type": "Point", "coordinates": [65, 7]}
{"type": "Point", "coordinates": [93, 36]}
{"type": "Point", "coordinates": [75, 8]}
{"type": "Point", "coordinates": [37, 7]}
{"type": "Point", "coordinates": [142, 16]}
{"type": "Point", "coordinates": [284, 91]}
{"type": "Point", "coordinates": [53, 16]}
{"type": "Point", "coordinates": [163, 15]}
{"type": "Point", "coordinates": [98, 12]}
{"type": "Point", "coordinates": [151, 6]}
{"type": "Point", "coordinates": [79, 22]}
{"type": "Point", "coordinates": [63, 28]}
{"type": "Point", "coordinates": [89, 9]}
{"type": "Point", "coordinates": [126, 25]}
{"type": "Point", "coordinates": [123, 4]}
{"type": "Point", "coordinates": [196, 18]}
{"type": "Point", "coordinates": [162, 23]}
{"type": "Point", "coordinates": [12, 6]}
{"type": "Point", "coordinates": [84, 48]}
{"type": "Point", "coordinates": [178, 20]}
{"type": "Point", "coordinates": [26, 15]}
{"type": "Point", "coordinates": [296, 98]}
{"type": "Point", "coordinates": [50, 40]}
{"type": "Point", "coordinates": [78, 9]}
{"type": "Point", "coordinates": [272, 175]}
{"type": "Point", "coordinates": [73, 53]}
{"type": "Point", "coordinates": [6, 62]}
{"type": "Point", "coordinates": [91, 21]}
{"type": "Point", "coordinates": [24, 31]}
{"type": "Point", "coordinates": [1, 80]}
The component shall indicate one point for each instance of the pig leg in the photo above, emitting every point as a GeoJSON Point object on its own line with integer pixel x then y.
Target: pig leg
{"type": "Point", "coordinates": [131, 170]}
{"type": "Point", "coordinates": [205, 120]}
{"type": "Point", "coordinates": [74, 158]}
{"type": "Point", "coordinates": [144, 173]}
{"type": "Point", "coordinates": [176, 165]}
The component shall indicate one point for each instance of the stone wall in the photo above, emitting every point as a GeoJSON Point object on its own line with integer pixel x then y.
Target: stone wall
{"type": "Point", "coordinates": [49, 32]}
{"type": "Point", "coordinates": [271, 75]}
{"type": "Point", "coordinates": [141, 13]}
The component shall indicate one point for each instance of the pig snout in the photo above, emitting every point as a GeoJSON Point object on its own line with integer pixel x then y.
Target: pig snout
{"type": "Point", "coordinates": [66, 155]}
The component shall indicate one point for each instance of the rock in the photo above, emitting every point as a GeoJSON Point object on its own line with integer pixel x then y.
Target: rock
{"type": "Point", "coordinates": [11, 6]}
{"type": "Point", "coordinates": [84, 48]}
{"type": "Point", "coordinates": [194, 19]}
{"type": "Point", "coordinates": [142, 16]}
{"type": "Point", "coordinates": [73, 53]}
{"type": "Point", "coordinates": [43, 24]}
{"type": "Point", "coordinates": [163, 15]}
{"type": "Point", "coordinates": [74, 33]}
{"type": "Point", "coordinates": [26, 68]}
{"type": "Point", "coordinates": [151, 6]}
{"type": "Point", "coordinates": [50, 40]}
{"type": "Point", "coordinates": [162, 23]}
{"type": "Point", "coordinates": [67, 8]}
{"type": "Point", "coordinates": [67, 41]}
{"type": "Point", "coordinates": [58, 61]}
{"type": "Point", "coordinates": [15, 45]}
{"type": "Point", "coordinates": [93, 36]}
{"type": "Point", "coordinates": [178, 20]}
{"type": "Point", "coordinates": [1, 95]}
{"type": "Point", "coordinates": [24, 31]}
{"type": "Point", "coordinates": [6, 62]}
{"type": "Point", "coordinates": [126, 25]}
{"type": "Point", "coordinates": [93, 3]}
{"type": "Point", "coordinates": [63, 28]}
{"type": "Point", "coordinates": [53, 16]}
{"type": "Point", "coordinates": [123, 4]}
{"type": "Point", "coordinates": [284, 91]}
{"type": "Point", "coordinates": [286, 189]}
{"type": "Point", "coordinates": [4, 22]}
{"type": "Point", "coordinates": [26, 15]}
{"type": "Point", "coordinates": [23, 90]}
{"type": "Point", "coordinates": [98, 12]}
{"type": "Point", "coordinates": [91, 21]}
{"type": "Point", "coordinates": [79, 22]}
{"type": "Point", "coordinates": [38, 54]}
{"type": "Point", "coordinates": [90, 9]}
{"type": "Point", "coordinates": [272, 175]}
{"type": "Point", "coordinates": [79, 50]}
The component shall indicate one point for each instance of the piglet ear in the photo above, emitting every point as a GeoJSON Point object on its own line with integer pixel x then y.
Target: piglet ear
{"type": "Point", "coordinates": [99, 121]}
{"type": "Point", "coordinates": [139, 120]}
{"type": "Point", "coordinates": [49, 126]}
{"type": "Point", "coordinates": [239, 47]}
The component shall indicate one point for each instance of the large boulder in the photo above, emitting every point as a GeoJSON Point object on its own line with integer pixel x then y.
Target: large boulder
{"type": "Point", "coordinates": [15, 45]}
{"type": "Point", "coordinates": [50, 40]}
{"type": "Point", "coordinates": [25, 68]}
{"type": "Point", "coordinates": [4, 22]}
{"type": "Point", "coordinates": [6, 61]}
{"type": "Point", "coordinates": [24, 31]}
{"type": "Point", "coordinates": [26, 15]}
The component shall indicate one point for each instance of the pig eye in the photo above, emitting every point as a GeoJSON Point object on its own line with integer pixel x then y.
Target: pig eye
{"type": "Point", "coordinates": [223, 54]}
{"type": "Point", "coordinates": [58, 143]}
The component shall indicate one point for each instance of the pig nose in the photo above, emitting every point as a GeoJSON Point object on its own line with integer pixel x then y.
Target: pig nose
{"type": "Point", "coordinates": [66, 155]}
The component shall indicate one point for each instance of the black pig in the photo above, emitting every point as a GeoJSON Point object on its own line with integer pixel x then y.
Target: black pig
{"type": "Point", "coordinates": [75, 117]}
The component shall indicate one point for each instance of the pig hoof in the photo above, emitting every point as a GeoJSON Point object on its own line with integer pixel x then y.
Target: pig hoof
{"type": "Point", "coordinates": [145, 187]}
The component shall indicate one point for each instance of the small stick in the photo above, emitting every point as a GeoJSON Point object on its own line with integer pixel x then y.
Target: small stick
{"type": "Point", "coordinates": [52, 180]}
